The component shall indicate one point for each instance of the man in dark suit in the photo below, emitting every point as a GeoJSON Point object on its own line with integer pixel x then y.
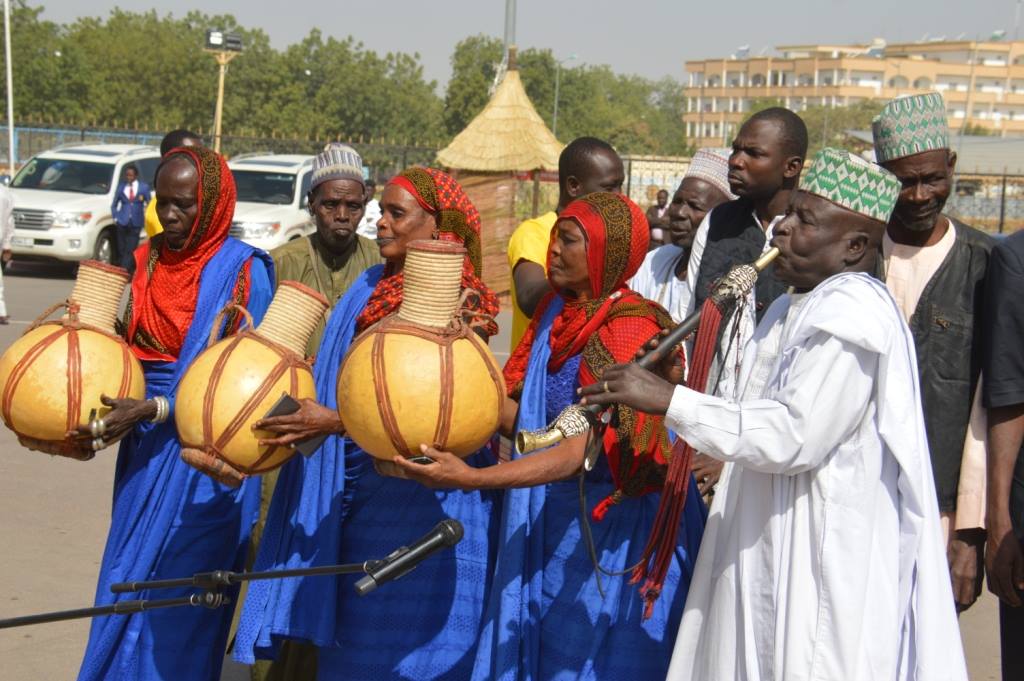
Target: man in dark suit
{"type": "Point", "coordinates": [129, 210]}
{"type": "Point", "coordinates": [657, 218]}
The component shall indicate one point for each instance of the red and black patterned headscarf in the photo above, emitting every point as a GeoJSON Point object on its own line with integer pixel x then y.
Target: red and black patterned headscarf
{"type": "Point", "coordinates": [608, 328]}
{"type": "Point", "coordinates": [457, 220]}
{"type": "Point", "coordinates": [165, 288]}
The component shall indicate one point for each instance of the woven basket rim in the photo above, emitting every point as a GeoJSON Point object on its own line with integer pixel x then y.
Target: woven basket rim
{"type": "Point", "coordinates": [106, 267]}
{"type": "Point", "coordinates": [311, 292]}
{"type": "Point", "coordinates": [436, 246]}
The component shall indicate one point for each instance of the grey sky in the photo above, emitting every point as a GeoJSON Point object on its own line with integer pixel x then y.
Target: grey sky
{"type": "Point", "coordinates": [650, 37]}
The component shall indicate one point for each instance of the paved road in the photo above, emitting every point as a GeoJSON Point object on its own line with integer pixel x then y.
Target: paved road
{"type": "Point", "coordinates": [54, 516]}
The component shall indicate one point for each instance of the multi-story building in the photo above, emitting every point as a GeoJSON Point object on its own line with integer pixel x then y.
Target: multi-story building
{"type": "Point", "coordinates": [982, 83]}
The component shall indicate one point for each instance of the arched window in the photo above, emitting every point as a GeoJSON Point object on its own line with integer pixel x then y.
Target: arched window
{"type": "Point", "coordinates": [757, 80]}
{"type": "Point", "coordinates": [923, 83]}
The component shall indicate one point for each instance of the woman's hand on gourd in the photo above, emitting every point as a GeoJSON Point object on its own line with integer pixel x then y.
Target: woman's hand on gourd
{"type": "Point", "coordinates": [311, 420]}
{"type": "Point", "coordinates": [123, 416]}
{"type": "Point", "coordinates": [447, 471]}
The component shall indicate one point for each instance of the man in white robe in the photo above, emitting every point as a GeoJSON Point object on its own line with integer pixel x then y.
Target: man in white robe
{"type": "Point", "coordinates": [823, 557]}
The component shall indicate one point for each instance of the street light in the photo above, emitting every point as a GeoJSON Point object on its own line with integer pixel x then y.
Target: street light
{"type": "Point", "coordinates": [224, 47]}
{"type": "Point", "coordinates": [10, 87]}
{"type": "Point", "coordinates": [558, 73]}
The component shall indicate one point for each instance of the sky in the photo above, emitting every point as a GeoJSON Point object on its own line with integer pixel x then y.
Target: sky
{"type": "Point", "coordinates": [652, 38]}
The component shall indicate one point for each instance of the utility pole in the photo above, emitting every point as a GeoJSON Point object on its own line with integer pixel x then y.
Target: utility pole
{"type": "Point", "coordinates": [10, 88]}
{"type": "Point", "coordinates": [224, 47]}
{"type": "Point", "coordinates": [510, 26]}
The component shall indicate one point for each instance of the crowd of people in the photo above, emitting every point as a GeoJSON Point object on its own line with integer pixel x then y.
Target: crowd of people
{"type": "Point", "coordinates": [849, 439]}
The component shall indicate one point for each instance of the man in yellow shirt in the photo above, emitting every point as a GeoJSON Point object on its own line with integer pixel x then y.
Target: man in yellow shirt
{"type": "Point", "coordinates": [585, 166]}
{"type": "Point", "coordinates": [172, 140]}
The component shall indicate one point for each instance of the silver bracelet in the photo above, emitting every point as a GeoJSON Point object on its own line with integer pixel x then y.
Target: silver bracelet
{"type": "Point", "coordinates": [163, 409]}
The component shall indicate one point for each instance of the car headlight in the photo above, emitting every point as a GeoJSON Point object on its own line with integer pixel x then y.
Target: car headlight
{"type": "Point", "coordinates": [64, 220]}
{"type": "Point", "coordinates": [256, 230]}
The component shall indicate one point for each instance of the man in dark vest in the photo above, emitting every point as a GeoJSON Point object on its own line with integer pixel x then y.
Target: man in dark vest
{"type": "Point", "coordinates": [764, 169]}
{"type": "Point", "coordinates": [935, 267]}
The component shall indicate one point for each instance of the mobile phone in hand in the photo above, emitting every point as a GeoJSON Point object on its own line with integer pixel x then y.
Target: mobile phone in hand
{"type": "Point", "coordinates": [289, 405]}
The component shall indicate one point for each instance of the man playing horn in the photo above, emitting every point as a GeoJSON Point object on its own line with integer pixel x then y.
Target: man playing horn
{"type": "Point", "coordinates": [823, 555]}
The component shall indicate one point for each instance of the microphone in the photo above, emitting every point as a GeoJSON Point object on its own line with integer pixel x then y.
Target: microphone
{"type": "Point", "coordinates": [446, 533]}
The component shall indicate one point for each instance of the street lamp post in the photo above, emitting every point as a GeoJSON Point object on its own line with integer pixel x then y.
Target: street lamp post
{"type": "Point", "coordinates": [10, 88]}
{"type": "Point", "coordinates": [558, 73]}
{"type": "Point", "coordinates": [224, 47]}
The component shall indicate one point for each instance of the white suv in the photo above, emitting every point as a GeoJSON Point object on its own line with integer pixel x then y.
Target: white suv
{"type": "Point", "coordinates": [272, 191]}
{"type": "Point", "coordinates": [62, 200]}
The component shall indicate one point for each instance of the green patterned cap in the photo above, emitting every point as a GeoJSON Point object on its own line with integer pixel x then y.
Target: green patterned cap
{"type": "Point", "coordinates": [910, 125]}
{"type": "Point", "coordinates": [853, 183]}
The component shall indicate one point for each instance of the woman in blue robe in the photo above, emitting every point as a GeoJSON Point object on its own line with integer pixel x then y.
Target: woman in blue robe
{"type": "Point", "coordinates": [553, 614]}
{"type": "Point", "coordinates": [334, 508]}
{"type": "Point", "coordinates": [168, 519]}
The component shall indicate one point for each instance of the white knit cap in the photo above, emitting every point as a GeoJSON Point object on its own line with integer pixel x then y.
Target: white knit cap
{"type": "Point", "coordinates": [712, 165]}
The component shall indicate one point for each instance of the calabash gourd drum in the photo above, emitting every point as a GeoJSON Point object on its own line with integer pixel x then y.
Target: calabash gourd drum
{"type": "Point", "coordinates": [236, 381]}
{"type": "Point", "coordinates": [52, 377]}
{"type": "Point", "coordinates": [422, 375]}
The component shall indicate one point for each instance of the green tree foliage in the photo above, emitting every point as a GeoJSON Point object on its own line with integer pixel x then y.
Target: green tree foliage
{"type": "Point", "coordinates": [827, 126]}
{"type": "Point", "coordinates": [635, 114]}
{"type": "Point", "coordinates": [148, 70]}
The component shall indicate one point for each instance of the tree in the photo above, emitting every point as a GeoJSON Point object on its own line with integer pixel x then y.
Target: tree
{"type": "Point", "coordinates": [147, 70]}
{"type": "Point", "coordinates": [474, 65]}
{"type": "Point", "coordinates": [635, 114]}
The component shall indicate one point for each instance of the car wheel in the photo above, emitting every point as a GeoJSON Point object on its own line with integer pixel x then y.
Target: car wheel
{"type": "Point", "coordinates": [105, 250]}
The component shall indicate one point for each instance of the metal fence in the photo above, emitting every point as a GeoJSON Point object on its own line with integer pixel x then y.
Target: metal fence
{"type": "Point", "coordinates": [994, 203]}
{"type": "Point", "coordinates": [383, 159]}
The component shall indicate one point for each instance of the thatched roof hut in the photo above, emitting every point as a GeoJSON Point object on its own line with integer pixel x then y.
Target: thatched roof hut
{"type": "Point", "coordinates": [505, 139]}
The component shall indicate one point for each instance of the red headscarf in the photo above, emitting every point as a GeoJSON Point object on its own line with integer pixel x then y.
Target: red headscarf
{"type": "Point", "coordinates": [608, 329]}
{"type": "Point", "coordinates": [458, 221]}
{"type": "Point", "coordinates": [166, 283]}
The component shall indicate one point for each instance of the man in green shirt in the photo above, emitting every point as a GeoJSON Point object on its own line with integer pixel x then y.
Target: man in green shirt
{"type": "Point", "coordinates": [328, 260]}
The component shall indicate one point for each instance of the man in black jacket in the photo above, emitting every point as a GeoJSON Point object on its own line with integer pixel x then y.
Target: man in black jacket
{"type": "Point", "coordinates": [935, 266]}
{"type": "Point", "coordinates": [764, 169]}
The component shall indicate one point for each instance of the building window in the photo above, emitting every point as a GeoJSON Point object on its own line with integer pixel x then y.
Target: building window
{"type": "Point", "coordinates": [923, 83]}
{"type": "Point", "coordinates": [757, 80]}
{"type": "Point", "coordinates": [805, 80]}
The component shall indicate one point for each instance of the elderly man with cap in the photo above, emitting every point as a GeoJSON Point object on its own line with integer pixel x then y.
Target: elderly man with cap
{"type": "Point", "coordinates": [331, 258]}
{"type": "Point", "coordinates": [662, 276]}
{"type": "Point", "coordinates": [935, 267]}
{"type": "Point", "coordinates": [328, 260]}
{"type": "Point", "coordinates": [823, 555]}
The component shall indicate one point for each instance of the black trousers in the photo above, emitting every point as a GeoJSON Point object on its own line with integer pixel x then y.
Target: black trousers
{"type": "Point", "coordinates": [1011, 641]}
{"type": "Point", "coordinates": [127, 242]}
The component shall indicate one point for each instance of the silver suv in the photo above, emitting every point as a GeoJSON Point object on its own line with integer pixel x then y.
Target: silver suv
{"type": "Point", "coordinates": [62, 200]}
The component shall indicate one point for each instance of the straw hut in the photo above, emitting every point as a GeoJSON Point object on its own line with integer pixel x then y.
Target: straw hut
{"type": "Point", "coordinates": [501, 155]}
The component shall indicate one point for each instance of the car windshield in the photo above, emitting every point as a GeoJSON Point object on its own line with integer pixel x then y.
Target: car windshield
{"type": "Point", "coordinates": [264, 187]}
{"type": "Point", "coordinates": [62, 175]}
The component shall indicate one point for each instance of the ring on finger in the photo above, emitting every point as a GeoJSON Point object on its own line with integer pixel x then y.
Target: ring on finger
{"type": "Point", "coordinates": [98, 444]}
{"type": "Point", "coordinates": [606, 388]}
{"type": "Point", "coordinates": [98, 428]}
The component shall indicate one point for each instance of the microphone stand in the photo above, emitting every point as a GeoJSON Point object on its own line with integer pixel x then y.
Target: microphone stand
{"type": "Point", "coordinates": [212, 596]}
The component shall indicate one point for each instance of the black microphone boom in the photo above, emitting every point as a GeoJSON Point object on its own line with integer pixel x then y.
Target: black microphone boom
{"type": "Point", "coordinates": [446, 533]}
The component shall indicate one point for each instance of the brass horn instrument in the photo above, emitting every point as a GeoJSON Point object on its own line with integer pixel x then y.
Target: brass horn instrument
{"type": "Point", "coordinates": [577, 419]}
